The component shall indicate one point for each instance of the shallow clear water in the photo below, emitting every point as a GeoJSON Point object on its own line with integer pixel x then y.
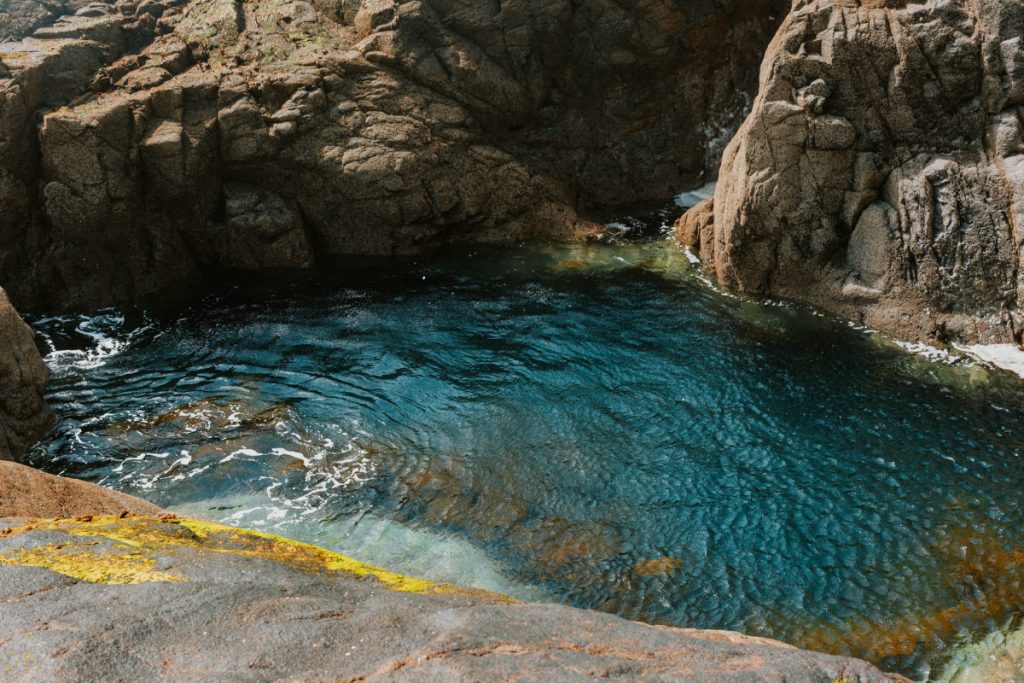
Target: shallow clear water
{"type": "Point", "coordinates": [591, 425]}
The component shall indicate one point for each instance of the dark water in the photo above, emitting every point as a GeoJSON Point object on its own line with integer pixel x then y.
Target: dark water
{"type": "Point", "coordinates": [588, 425]}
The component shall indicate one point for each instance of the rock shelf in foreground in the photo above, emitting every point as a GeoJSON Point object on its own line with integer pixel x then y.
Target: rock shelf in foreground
{"type": "Point", "coordinates": [125, 597]}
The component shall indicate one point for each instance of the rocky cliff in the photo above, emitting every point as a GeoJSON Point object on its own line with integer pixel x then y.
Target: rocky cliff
{"type": "Point", "coordinates": [881, 171]}
{"type": "Point", "coordinates": [145, 141]}
{"type": "Point", "coordinates": [24, 415]}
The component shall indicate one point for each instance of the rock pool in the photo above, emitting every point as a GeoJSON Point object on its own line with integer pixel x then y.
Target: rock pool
{"type": "Point", "coordinates": [590, 424]}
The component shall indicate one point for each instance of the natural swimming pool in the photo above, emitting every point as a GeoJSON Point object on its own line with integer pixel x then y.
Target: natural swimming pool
{"type": "Point", "coordinates": [586, 424]}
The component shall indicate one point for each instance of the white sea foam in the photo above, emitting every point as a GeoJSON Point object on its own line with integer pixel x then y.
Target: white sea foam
{"type": "Point", "coordinates": [929, 352]}
{"type": "Point", "coordinates": [241, 451]}
{"type": "Point", "coordinates": [105, 330]}
{"type": "Point", "coordinates": [292, 454]}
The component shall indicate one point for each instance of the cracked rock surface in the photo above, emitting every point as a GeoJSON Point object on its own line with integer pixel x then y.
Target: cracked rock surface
{"type": "Point", "coordinates": [143, 142]}
{"type": "Point", "coordinates": [881, 172]}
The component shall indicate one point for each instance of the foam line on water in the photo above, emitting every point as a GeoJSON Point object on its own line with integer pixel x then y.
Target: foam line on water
{"type": "Point", "coordinates": [105, 334]}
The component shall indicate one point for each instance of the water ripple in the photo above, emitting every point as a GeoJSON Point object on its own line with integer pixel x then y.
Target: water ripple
{"type": "Point", "coordinates": [590, 424]}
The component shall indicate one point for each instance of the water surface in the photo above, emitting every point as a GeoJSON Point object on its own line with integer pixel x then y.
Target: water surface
{"type": "Point", "coordinates": [592, 425]}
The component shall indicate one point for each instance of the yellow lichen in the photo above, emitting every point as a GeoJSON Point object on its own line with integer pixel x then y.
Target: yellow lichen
{"type": "Point", "coordinates": [303, 556]}
{"type": "Point", "coordinates": [90, 563]}
{"type": "Point", "coordinates": [146, 536]}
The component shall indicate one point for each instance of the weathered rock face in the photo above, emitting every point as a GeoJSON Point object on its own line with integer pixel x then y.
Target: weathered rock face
{"type": "Point", "coordinates": [999, 657]}
{"type": "Point", "coordinates": [881, 172]}
{"type": "Point", "coordinates": [24, 415]}
{"type": "Point", "coordinates": [19, 18]}
{"type": "Point", "coordinates": [207, 602]}
{"type": "Point", "coordinates": [178, 136]}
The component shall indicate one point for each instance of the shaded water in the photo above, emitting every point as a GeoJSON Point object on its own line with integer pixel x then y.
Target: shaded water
{"type": "Point", "coordinates": [591, 425]}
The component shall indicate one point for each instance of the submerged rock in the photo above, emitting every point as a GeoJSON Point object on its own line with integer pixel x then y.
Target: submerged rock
{"type": "Point", "coordinates": [881, 172]}
{"type": "Point", "coordinates": [24, 415]}
{"type": "Point", "coordinates": [198, 601]}
{"type": "Point", "coordinates": [999, 657]}
{"type": "Point", "coordinates": [143, 142]}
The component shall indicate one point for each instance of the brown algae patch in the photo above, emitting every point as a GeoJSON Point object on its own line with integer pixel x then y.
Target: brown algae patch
{"type": "Point", "coordinates": [141, 537]}
{"type": "Point", "coordinates": [661, 566]}
{"type": "Point", "coordinates": [986, 577]}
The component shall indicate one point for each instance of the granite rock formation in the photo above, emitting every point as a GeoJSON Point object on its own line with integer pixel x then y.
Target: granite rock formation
{"type": "Point", "coordinates": [20, 18]}
{"type": "Point", "coordinates": [27, 492]}
{"type": "Point", "coordinates": [24, 415]}
{"type": "Point", "coordinates": [145, 141]}
{"type": "Point", "coordinates": [881, 172]}
{"type": "Point", "coordinates": [142, 598]}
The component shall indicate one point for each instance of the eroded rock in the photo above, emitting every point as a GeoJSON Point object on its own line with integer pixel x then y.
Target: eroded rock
{"type": "Point", "coordinates": [880, 173]}
{"type": "Point", "coordinates": [372, 127]}
{"type": "Point", "coordinates": [19, 18]}
{"type": "Point", "coordinates": [24, 415]}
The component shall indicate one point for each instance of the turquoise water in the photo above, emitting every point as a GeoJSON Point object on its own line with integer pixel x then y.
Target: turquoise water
{"type": "Point", "coordinates": [591, 425]}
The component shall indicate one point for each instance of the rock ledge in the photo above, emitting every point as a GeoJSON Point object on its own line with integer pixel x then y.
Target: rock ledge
{"type": "Point", "coordinates": [144, 598]}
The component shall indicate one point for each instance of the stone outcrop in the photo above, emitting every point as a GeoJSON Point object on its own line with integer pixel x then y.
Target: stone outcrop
{"type": "Point", "coordinates": [142, 598]}
{"type": "Point", "coordinates": [881, 172]}
{"type": "Point", "coordinates": [27, 492]}
{"type": "Point", "coordinates": [24, 415]}
{"type": "Point", "coordinates": [145, 141]}
{"type": "Point", "coordinates": [20, 18]}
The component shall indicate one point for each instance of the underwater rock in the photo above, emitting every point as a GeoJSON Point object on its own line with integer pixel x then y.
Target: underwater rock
{"type": "Point", "coordinates": [24, 414]}
{"type": "Point", "coordinates": [198, 600]}
{"type": "Point", "coordinates": [880, 174]}
{"type": "Point", "coordinates": [999, 657]}
{"type": "Point", "coordinates": [144, 142]}
{"type": "Point", "coordinates": [661, 566]}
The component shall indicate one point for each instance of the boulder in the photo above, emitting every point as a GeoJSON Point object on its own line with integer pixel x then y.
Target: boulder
{"type": "Point", "coordinates": [880, 174]}
{"type": "Point", "coordinates": [24, 415]}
